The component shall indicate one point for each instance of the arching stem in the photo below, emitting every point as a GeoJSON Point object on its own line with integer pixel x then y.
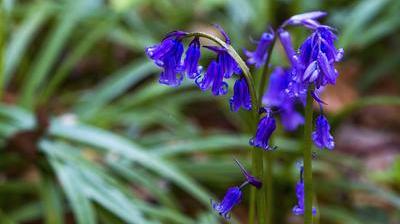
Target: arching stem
{"type": "Point", "coordinates": [256, 153]}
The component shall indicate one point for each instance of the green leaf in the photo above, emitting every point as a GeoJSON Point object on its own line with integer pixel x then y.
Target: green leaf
{"type": "Point", "coordinates": [122, 147]}
{"type": "Point", "coordinates": [52, 202]}
{"type": "Point", "coordinates": [114, 86]}
{"type": "Point", "coordinates": [94, 35]}
{"type": "Point", "coordinates": [55, 41]}
{"type": "Point", "coordinates": [363, 12]}
{"type": "Point", "coordinates": [21, 38]}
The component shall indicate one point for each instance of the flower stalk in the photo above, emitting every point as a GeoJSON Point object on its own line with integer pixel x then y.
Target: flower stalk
{"type": "Point", "coordinates": [267, 176]}
{"type": "Point", "coordinates": [307, 154]}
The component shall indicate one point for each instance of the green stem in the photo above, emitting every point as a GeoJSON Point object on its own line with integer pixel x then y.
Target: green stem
{"type": "Point", "coordinates": [267, 176]}
{"type": "Point", "coordinates": [252, 206]}
{"type": "Point", "coordinates": [268, 185]}
{"type": "Point", "coordinates": [307, 143]}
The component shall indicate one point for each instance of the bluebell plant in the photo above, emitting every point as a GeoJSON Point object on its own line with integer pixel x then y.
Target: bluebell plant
{"type": "Point", "coordinates": [311, 68]}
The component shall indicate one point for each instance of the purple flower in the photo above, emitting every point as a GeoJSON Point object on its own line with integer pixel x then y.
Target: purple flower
{"type": "Point", "coordinates": [276, 96]}
{"type": "Point", "coordinates": [299, 208]}
{"type": "Point", "coordinates": [278, 81]}
{"type": "Point", "coordinates": [321, 136]}
{"type": "Point", "coordinates": [317, 56]}
{"type": "Point", "coordinates": [241, 96]}
{"type": "Point", "coordinates": [265, 128]}
{"type": "Point", "coordinates": [227, 63]}
{"type": "Point", "coordinates": [249, 178]}
{"type": "Point", "coordinates": [307, 19]}
{"type": "Point", "coordinates": [286, 41]}
{"type": "Point", "coordinates": [213, 78]}
{"type": "Point", "coordinates": [291, 119]}
{"type": "Point", "coordinates": [167, 55]}
{"type": "Point", "coordinates": [191, 63]}
{"type": "Point", "coordinates": [297, 90]}
{"type": "Point", "coordinates": [232, 197]}
{"type": "Point", "coordinates": [260, 55]}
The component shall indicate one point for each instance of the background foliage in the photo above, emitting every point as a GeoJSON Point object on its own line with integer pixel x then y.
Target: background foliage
{"type": "Point", "coordinates": [89, 136]}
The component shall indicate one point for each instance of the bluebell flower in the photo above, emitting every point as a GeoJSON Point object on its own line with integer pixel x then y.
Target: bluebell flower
{"type": "Point", "coordinates": [321, 136]}
{"type": "Point", "coordinates": [278, 81]}
{"type": "Point", "coordinates": [290, 118]}
{"type": "Point", "coordinates": [241, 96]}
{"type": "Point", "coordinates": [260, 55]}
{"type": "Point", "coordinates": [317, 56]}
{"type": "Point", "coordinates": [299, 208]}
{"type": "Point", "coordinates": [191, 63]}
{"type": "Point", "coordinates": [232, 197]}
{"type": "Point", "coordinates": [167, 55]}
{"type": "Point", "coordinates": [307, 19]}
{"type": "Point", "coordinates": [227, 63]}
{"type": "Point", "coordinates": [249, 178]}
{"type": "Point", "coordinates": [265, 128]}
{"type": "Point", "coordinates": [276, 96]}
{"type": "Point", "coordinates": [286, 41]}
{"type": "Point", "coordinates": [213, 78]}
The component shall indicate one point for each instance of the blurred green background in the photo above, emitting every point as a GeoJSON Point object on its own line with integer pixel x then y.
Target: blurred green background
{"type": "Point", "coordinates": [89, 136]}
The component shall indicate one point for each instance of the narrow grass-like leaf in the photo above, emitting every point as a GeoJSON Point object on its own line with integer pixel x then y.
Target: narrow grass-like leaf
{"type": "Point", "coordinates": [363, 13]}
{"type": "Point", "coordinates": [126, 149]}
{"type": "Point", "coordinates": [114, 86]}
{"type": "Point", "coordinates": [21, 38]}
{"type": "Point", "coordinates": [77, 53]}
{"type": "Point", "coordinates": [52, 202]}
{"type": "Point", "coordinates": [28, 212]}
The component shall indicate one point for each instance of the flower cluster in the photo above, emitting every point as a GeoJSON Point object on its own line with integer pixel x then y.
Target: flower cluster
{"type": "Point", "coordinates": [168, 55]}
{"type": "Point", "coordinates": [234, 194]}
{"type": "Point", "coordinates": [311, 67]}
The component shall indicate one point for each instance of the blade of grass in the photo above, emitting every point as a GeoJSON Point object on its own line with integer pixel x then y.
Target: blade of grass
{"type": "Point", "coordinates": [69, 17]}
{"type": "Point", "coordinates": [77, 53]}
{"type": "Point", "coordinates": [122, 147]}
{"type": "Point", "coordinates": [21, 38]}
{"type": "Point", "coordinates": [114, 86]}
{"type": "Point", "coordinates": [52, 202]}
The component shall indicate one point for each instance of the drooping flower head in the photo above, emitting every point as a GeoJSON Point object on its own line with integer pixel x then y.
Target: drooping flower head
{"type": "Point", "coordinates": [241, 96]}
{"type": "Point", "coordinates": [167, 55]}
{"type": "Point", "coordinates": [232, 197]}
{"type": "Point", "coordinates": [249, 178]}
{"type": "Point", "coordinates": [299, 208]}
{"type": "Point", "coordinates": [191, 63]}
{"type": "Point", "coordinates": [260, 55]}
{"type": "Point", "coordinates": [322, 137]}
{"type": "Point", "coordinates": [265, 128]}
{"type": "Point", "coordinates": [317, 56]}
